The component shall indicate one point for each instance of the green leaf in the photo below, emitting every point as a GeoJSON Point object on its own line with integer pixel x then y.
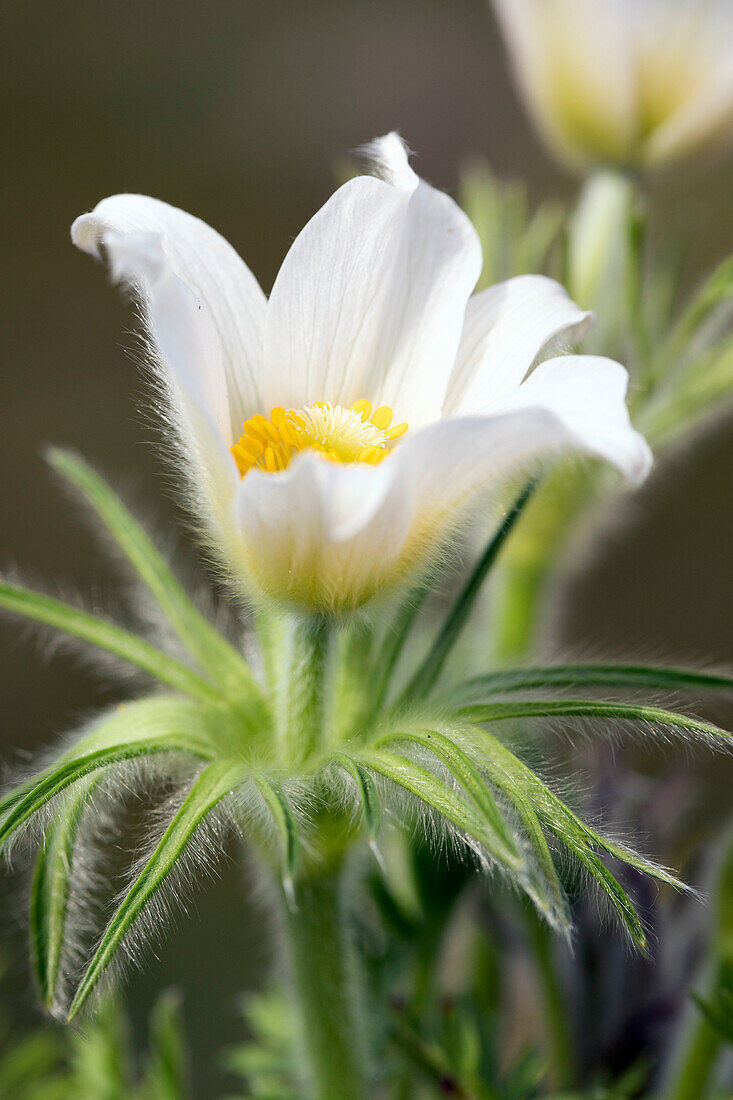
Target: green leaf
{"type": "Point", "coordinates": [160, 724]}
{"type": "Point", "coordinates": [166, 1077]}
{"type": "Point", "coordinates": [715, 290]}
{"type": "Point", "coordinates": [104, 635]}
{"type": "Point", "coordinates": [591, 676]}
{"type": "Point", "coordinates": [101, 1056]}
{"type": "Point", "coordinates": [545, 891]}
{"type": "Point", "coordinates": [366, 789]}
{"type": "Point", "coordinates": [392, 643]}
{"type": "Point", "coordinates": [718, 1010]}
{"type": "Point", "coordinates": [211, 651]}
{"type": "Point", "coordinates": [32, 1067]}
{"type": "Point", "coordinates": [468, 775]}
{"type": "Point", "coordinates": [431, 790]}
{"type": "Point", "coordinates": [214, 782]}
{"type": "Point", "coordinates": [695, 389]}
{"type": "Point", "coordinates": [282, 815]}
{"type": "Point", "coordinates": [556, 814]}
{"type": "Point", "coordinates": [50, 891]}
{"type": "Point", "coordinates": [590, 708]}
{"type": "Point", "coordinates": [505, 769]}
{"type": "Point", "coordinates": [430, 669]}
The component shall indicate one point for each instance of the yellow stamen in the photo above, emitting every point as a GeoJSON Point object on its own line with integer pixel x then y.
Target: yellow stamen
{"type": "Point", "coordinates": [337, 433]}
{"type": "Point", "coordinates": [372, 454]}
{"type": "Point", "coordinates": [382, 417]}
{"type": "Point", "coordinates": [253, 447]}
{"type": "Point", "coordinates": [362, 407]}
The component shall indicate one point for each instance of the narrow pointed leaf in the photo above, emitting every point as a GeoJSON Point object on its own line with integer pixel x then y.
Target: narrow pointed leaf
{"type": "Point", "coordinates": [393, 642]}
{"type": "Point", "coordinates": [211, 651]}
{"type": "Point", "coordinates": [216, 781]}
{"type": "Point", "coordinates": [503, 766]}
{"type": "Point", "coordinates": [284, 818]}
{"type": "Point", "coordinates": [591, 708]}
{"type": "Point", "coordinates": [556, 814]}
{"type": "Point", "coordinates": [159, 724]}
{"type": "Point", "coordinates": [366, 789]}
{"type": "Point", "coordinates": [715, 290]}
{"type": "Point", "coordinates": [468, 775]}
{"type": "Point", "coordinates": [611, 887]}
{"type": "Point", "coordinates": [166, 1077]}
{"type": "Point", "coordinates": [50, 892]}
{"type": "Point", "coordinates": [546, 891]}
{"type": "Point", "coordinates": [561, 820]}
{"type": "Point", "coordinates": [432, 666]}
{"type": "Point", "coordinates": [69, 772]}
{"type": "Point", "coordinates": [591, 676]}
{"type": "Point", "coordinates": [104, 635]}
{"type": "Point", "coordinates": [436, 794]}
{"type": "Point", "coordinates": [534, 833]}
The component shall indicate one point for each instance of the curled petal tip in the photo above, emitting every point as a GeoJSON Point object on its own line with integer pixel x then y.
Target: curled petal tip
{"type": "Point", "coordinates": [641, 468]}
{"type": "Point", "coordinates": [85, 234]}
{"type": "Point", "coordinates": [388, 157]}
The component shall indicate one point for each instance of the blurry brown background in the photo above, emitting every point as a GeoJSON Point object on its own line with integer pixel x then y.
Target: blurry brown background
{"type": "Point", "coordinates": [239, 110]}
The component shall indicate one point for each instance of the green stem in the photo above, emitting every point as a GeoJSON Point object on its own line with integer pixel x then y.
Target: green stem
{"type": "Point", "coordinates": [532, 555]}
{"type": "Point", "coordinates": [302, 687]}
{"type": "Point", "coordinates": [691, 1077]}
{"type": "Point", "coordinates": [697, 1063]}
{"type": "Point", "coordinates": [560, 1053]}
{"type": "Point", "coordinates": [325, 981]}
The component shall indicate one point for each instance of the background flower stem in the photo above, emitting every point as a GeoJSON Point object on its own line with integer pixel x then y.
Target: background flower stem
{"type": "Point", "coordinates": [530, 557]}
{"type": "Point", "coordinates": [703, 1047]}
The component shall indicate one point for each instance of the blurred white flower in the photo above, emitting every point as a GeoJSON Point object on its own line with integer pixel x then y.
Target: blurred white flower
{"type": "Point", "coordinates": [340, 430]}
{"type": "Point", "coordinates": [631, 83]}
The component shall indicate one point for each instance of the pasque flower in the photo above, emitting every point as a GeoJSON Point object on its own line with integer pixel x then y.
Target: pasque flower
{"type": "Point", "coordinates": [636, 83]}
{"type": "Point", "coordinates": [337, 432]}
{"type": "Point", "coordinates": [334, 436]}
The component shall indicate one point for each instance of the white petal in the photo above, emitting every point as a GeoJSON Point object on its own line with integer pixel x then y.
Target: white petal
{"type": "Point", "coordinates": [573, 61]}
{"type": "Point", "coordinates": [586, 394]}
{"type": "Point", "coordinates": [188, 345]}
{"type": "Point", "coordinates": [323, 534]}
{"type": "Point", "coordinates": [705, 121]}
{"type": "Point", "coordinates": [370, 299]}
{"type": "Point", "coordinates": [574, 404]}
{"type": "Point", "coordinates": [506, 329]}
{"type": "Point", "coordinates": [180, 325]}
{"type": "Point", "coordinates": [388, 160]}
{"type": "Point", "coordinates": [211, 268]}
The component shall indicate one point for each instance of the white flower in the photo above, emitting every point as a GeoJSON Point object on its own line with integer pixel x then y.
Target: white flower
{"type": "Point", "coordinates": [340, 430]}
{"type": "Point", "coordinates": [624, 82]}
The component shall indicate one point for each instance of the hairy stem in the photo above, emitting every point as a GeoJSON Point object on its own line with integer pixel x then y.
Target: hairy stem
{"type": "Point", "coordinates": [325, 983]}
{"type": "Point", "coordinates": [302, 687]}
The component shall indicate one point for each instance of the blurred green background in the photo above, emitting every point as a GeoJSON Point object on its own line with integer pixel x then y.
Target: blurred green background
{"type": "Point", "coordinates": [241, 111]}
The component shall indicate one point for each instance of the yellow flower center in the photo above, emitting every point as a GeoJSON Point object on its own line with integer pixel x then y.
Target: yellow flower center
{"type": "Point", "coordinates": [356, 434]}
